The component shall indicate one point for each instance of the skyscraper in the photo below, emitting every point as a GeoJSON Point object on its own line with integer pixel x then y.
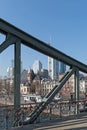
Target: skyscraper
{"type": "Point", "coordinates": [53, 68]}
{"type": "Point", "coordinates": [62, 67]}
{"type": "Point", "coordinates": [10, 72]}
{"type": "Point", "coordinates": [37, 66]}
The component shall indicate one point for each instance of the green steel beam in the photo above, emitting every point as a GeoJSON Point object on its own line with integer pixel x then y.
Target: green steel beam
{"type": "Point", "coordinates": [17, 55]}
{"type": "Point", "coordinates": [40, 46]}
{"type": "Point", "coordinates": [17, 70]}
{"type": "Point", "coordinates": [9, 41]}
{"type": "Point", "coordinates": [76, 75]}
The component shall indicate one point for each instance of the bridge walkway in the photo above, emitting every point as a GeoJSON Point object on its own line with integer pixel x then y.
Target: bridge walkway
{"type": "Point", "coordinates": [69, 123]}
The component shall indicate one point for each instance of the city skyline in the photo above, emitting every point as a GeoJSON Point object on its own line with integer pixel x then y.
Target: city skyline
{"type": "Point", "coordinates": [64, 21]}
{"type": "Point", "coordinates": [56, 67]}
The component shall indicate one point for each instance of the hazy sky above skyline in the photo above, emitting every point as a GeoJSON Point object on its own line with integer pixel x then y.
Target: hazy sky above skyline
{"type": "Point", "coordinates": [61, 22]}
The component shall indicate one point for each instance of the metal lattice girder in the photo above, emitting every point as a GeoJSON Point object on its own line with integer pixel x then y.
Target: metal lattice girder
{"type": "Point", "coordinates": [40, 46]}
{"type": "Point", "coordinates": [48, 98]}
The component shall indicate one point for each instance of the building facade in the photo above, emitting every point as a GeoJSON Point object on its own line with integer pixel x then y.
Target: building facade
{"type": "Point", "coordinates": [37, 66]}
{"type": "Point", "coordinates": [62, 67]}
{"type": "Point", "coordinates": [53, 68]}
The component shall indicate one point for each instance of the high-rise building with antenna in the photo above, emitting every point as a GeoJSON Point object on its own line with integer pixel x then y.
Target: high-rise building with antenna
{"type": "Point", "coordinates": [53, 68]}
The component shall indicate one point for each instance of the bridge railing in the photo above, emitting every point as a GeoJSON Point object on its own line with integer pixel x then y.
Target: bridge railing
{"type": "Point", "coordinates": [54, 110]}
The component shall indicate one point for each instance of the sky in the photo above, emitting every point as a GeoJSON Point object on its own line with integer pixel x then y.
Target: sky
{"type": "Point", "coordinates": [63, 23]}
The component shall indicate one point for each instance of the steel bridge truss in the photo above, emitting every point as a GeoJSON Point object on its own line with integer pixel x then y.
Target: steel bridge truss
{"type": "Point", "coordinates": [48, 98]}
{"type": "Point", "coordinates": [17, 37]}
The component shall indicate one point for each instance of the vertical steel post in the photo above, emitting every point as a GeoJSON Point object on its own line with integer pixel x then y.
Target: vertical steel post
{"type": "Point", "coordinates": [17, 70]}
{"type": "Point", "coordinates": [77, 90]}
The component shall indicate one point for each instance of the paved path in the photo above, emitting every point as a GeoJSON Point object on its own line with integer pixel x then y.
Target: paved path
{"type": "Point", "coordinates": [76, 123]}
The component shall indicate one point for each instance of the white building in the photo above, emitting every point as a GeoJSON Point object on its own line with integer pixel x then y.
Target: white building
{"type": "Point", "coordinates": [37, 66]}
{"type": "Point", "coordinates": [82, 85]}
{"type": "Point", "coordinates": [10, 72]}
{"type": "Point", "coordinates": [53, 68]}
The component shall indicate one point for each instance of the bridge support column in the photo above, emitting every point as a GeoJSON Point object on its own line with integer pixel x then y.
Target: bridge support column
{"type": "Point", "coordinates": [17, 70]}
{"type": "Point", "coordinates": [77, 89]}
